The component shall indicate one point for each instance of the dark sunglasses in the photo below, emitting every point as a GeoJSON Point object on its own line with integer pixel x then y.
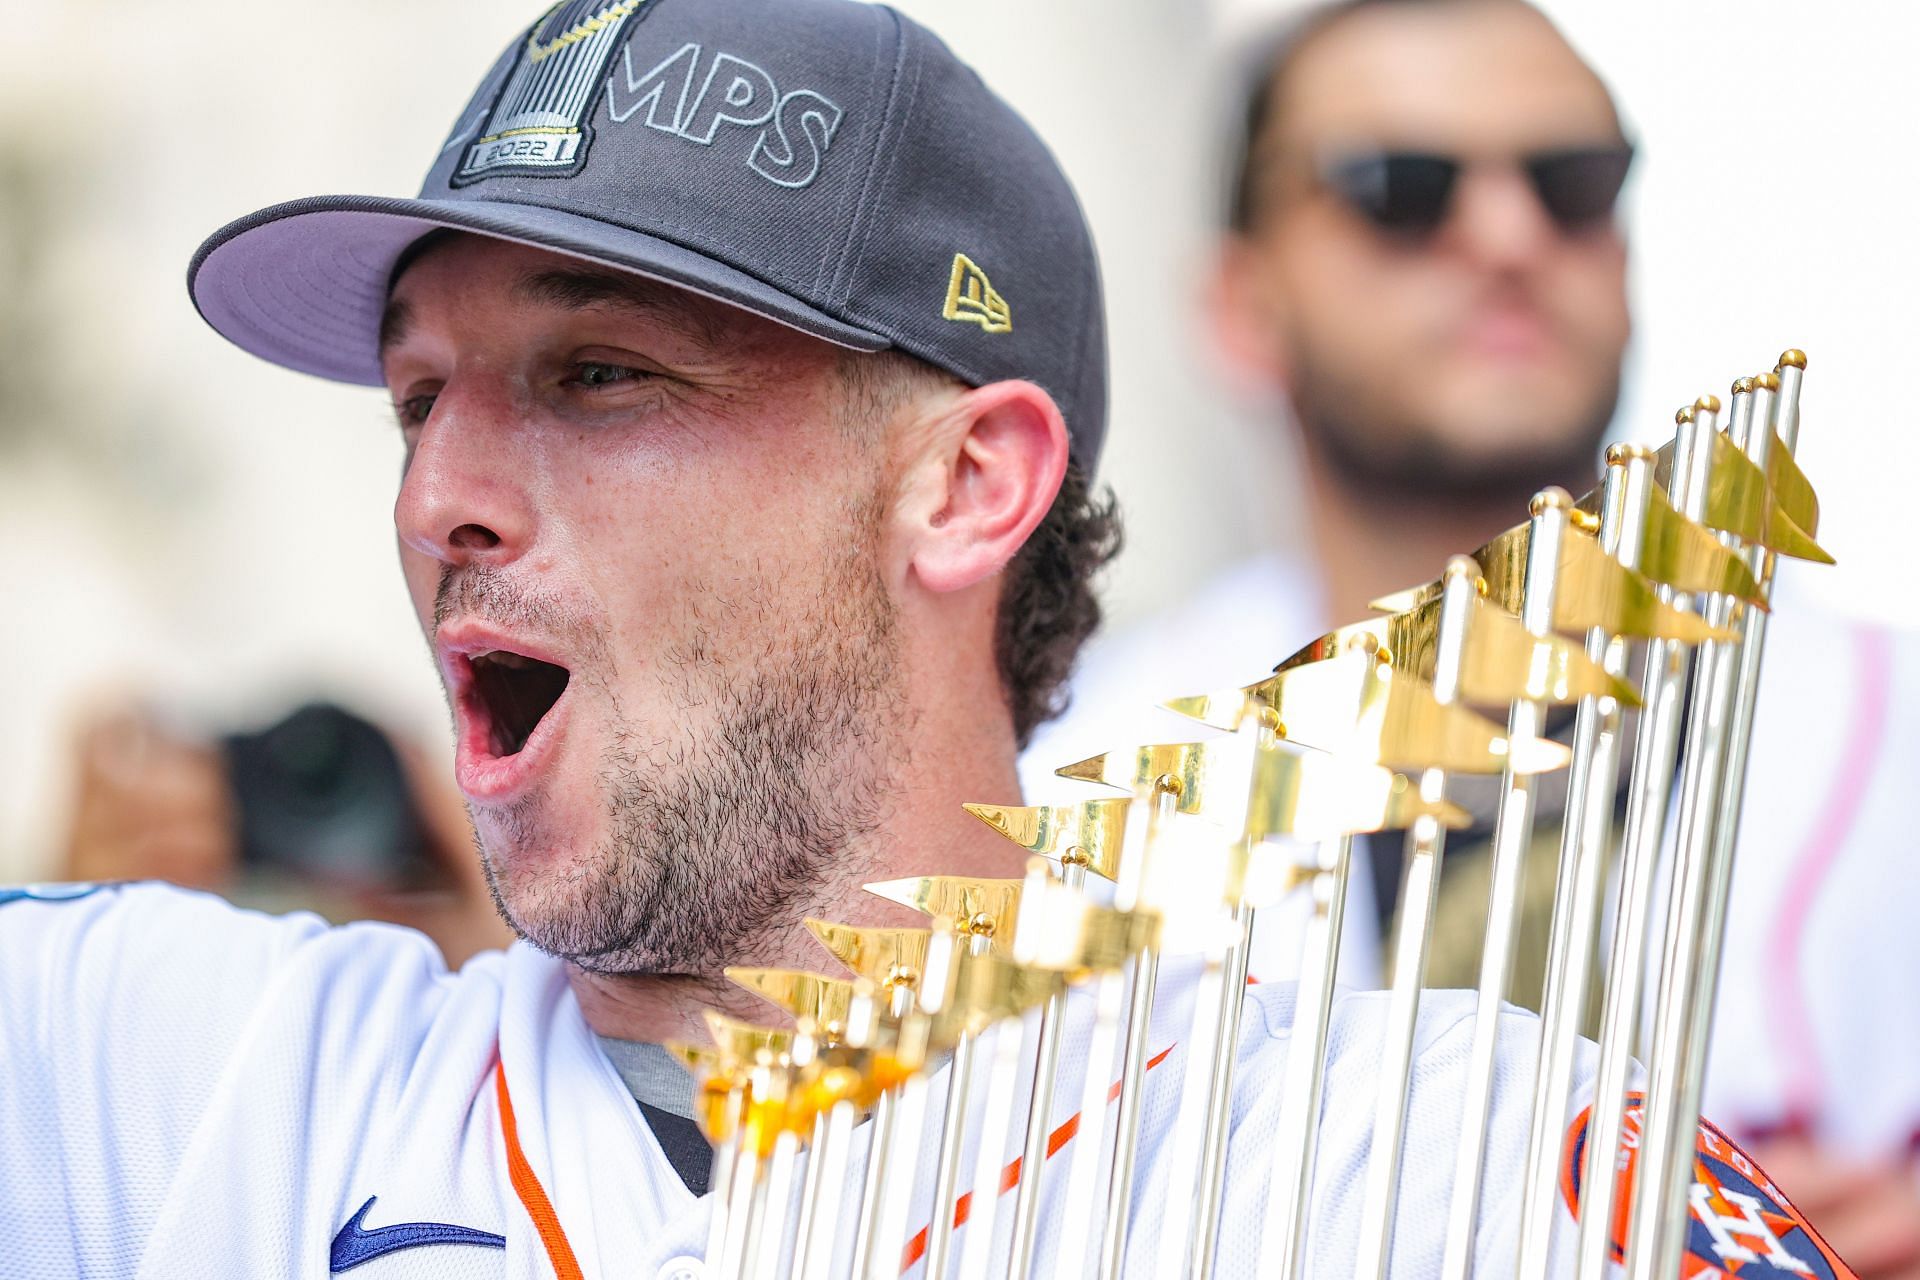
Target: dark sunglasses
{"type": "Point", "coordinates": [1409, 193]}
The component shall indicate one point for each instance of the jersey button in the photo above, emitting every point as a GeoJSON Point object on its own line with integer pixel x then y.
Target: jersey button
{"type": "Point", "coordinates": [681, 1268]}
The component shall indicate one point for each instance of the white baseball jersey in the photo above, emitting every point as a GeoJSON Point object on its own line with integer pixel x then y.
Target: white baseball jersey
{"type": "Point", "coordinates": [195, 1090]}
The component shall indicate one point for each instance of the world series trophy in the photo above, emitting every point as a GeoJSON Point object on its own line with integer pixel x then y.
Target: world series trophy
{"type": "Point", "coordinates": [918, 1084]}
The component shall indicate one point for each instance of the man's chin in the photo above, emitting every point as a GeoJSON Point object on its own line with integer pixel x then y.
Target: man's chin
{"type": "Point", "coordinates": [530, 872]}
{"type": "Point", "coordinates": [542, 910]}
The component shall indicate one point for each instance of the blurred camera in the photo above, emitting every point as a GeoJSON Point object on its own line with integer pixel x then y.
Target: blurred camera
{"type": "Point", "coordinates": [322, 794]}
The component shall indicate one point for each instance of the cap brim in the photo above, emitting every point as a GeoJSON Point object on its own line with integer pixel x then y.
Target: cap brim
{"type": "Point", "coordinates": [304, 284]}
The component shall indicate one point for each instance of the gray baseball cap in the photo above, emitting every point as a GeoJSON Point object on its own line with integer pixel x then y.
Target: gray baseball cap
{"type": "Point", "coordinates": [826, 164]}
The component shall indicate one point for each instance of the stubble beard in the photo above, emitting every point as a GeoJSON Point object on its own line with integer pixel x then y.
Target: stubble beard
{"type": "Point", "coordinates": [1381, 455]}
{"type": "Point", "coordinates": [718, 843]}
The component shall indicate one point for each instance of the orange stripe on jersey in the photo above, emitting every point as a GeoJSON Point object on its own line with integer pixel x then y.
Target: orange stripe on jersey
{"type": "Point", "coordinates": [1010, 1176]}
{"type": "Point", "coordinates": [526, 1185]}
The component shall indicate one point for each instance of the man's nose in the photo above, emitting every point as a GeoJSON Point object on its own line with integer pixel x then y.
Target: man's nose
{"type": "Point", "coordinates": [1498, 221]}
{"type": "Point", "coordinates": [465, 496]}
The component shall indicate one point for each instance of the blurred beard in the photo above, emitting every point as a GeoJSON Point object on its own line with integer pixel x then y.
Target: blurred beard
{"type": "Point", "coordinates": [724, 840]}
{"type": "Point", "coordinates": [1377, 454]}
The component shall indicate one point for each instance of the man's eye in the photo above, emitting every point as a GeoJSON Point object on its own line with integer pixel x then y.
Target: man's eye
{"type": "Point", "coordinates": [413, 411]}
{"type": "Point", "coordinates": [594, 374]}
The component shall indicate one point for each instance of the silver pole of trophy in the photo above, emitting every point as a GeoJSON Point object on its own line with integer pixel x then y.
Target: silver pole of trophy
{"type": "Point", "coordinates": [1290, 1187]}
{"type": "Point", "coordinates": [813, 1246]}
{"type": "Point", "coordinates": [1180, 1233]}
{"type": "Point", "coordinates": [880, 1151]}
{"type": "Point", "coordinates": [1585, 835]}
{"type": "Point", "coordinates": [1512, 833]}
{"type": "Point", "coordinates": [720, 1181]}
{"type": "Point", "coordinates": [996, 1120]}
{"type": "Point", "coordinates": [980, 930]}
{"type": "Point", "coordinates": [1778, 429]}
{"type": "Point", "coordinates": [1204, 1237]}
{"type": "Point", "coordinates": [1159, 805]}
{"type": "Point", "coordinates": [1686, 1014]}
{"type": "Point", "coordinates": [765, 1250]}
{"type": "Point", "coordinates": [896, 1172]}
{"type": "Point", "coordinates": [1664, 1143]}
{"type": "Point", "coordinates": [743, 1215]}
{"type": "Point", "coordinates": [1425, 846]}
{"type": "Point", "coordinates": [879, 1141]}
{"type": "Point", "coordinates": [1089, 1163]}
{"type": "Point", "coordinates": [881, 1144]}
{"type": "Point", "coordinates": [812, 1191]}
{"type": "Point", "coordinates": [942, 985]}
{"type": "Point", "coordinates": [1046, 1071]}
{"type": "Point", "coordinates": [1208, 1193]}
{"type": "Point", "coordinates": [1649, 790]}
{"type": "Point", "coordinates": [953, 1133]}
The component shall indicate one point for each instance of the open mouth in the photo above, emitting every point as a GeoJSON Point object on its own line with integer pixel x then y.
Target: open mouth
{"type": "Point", "coordinates": [517, 692]}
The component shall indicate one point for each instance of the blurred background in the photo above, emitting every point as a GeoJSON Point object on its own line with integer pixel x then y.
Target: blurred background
{"type": "Point", "coordinates": [196, 543]}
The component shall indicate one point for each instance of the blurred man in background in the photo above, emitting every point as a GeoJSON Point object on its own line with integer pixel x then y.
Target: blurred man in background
{"type": "Point", "coordinates": [1421, 261]}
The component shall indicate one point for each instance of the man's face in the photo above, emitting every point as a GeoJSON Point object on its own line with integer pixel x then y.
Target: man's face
{"type": "Point", "coordinates": [644, 538]}
{"type": "Point", "coordinates": [1483, 355]}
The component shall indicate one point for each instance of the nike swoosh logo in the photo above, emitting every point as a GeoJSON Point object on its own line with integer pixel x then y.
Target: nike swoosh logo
{"type": "Point", "coordinates": [355, 1244]}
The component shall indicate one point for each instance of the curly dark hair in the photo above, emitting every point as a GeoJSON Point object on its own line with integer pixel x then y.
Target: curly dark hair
{"type": "Point", "coordinates": [1048, 605]}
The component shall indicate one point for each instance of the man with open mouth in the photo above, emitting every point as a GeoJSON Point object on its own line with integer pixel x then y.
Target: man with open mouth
{"type": "Point", "coordinates": [750, 363]}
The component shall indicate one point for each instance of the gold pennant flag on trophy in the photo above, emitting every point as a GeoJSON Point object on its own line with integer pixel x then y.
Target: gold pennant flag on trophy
{"type": "Point", "coordinates": [966, 904]}
{"type": "Point", "coordinates": [1502, 663]}
{"type": "Point", "coordinates": [825, 1002]}
{"type": "Point", "coordinates": [1088, 834]}
{"type": "Point", "coordinates": [1062, 928]}
{"type": "Point", "coordinates": [1309, 795]}
{"type": "Point", "coordinates": [966, 990]}
{"type": "Point", "coordinates": [886, 957]}
{"type": "Point", "coordinates": [1592, 590]}
{"type": "Point", "coordinates": [1792, 491]}
{"type": "Point", "coordinates": [718, 1098]}
{"type": "Point", "coordinates": [1269, 791]}
{"type": "Point", "coordinates": [1196, 775]}
{"type": "Point", "coordinates": [1358, 707]}
{"type": "Point", "coordinates": [1745, 501]}
{"type": "Point", "coordinates": [1741, 501]}
{"type": "Point", "coordinates": [1682, 554]}
{"type": "Point", "coordinates": [1595, 590]}
{"type": "Point", "coordinates": [995, 985]}
{"type": "Point", "coordinates": [738, 1043]}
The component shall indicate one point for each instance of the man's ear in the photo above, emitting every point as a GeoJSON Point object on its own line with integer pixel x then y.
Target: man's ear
{"type": "Point", "coordinates": [989, 475]}
{"type": "Point", "coordinates": [1248, 320]}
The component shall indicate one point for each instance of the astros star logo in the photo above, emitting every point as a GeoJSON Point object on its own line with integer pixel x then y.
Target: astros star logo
{"type": "Point", "coordinates": [1743, 1226]}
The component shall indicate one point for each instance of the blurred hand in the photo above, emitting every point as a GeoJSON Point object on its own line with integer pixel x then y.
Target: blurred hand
{"type": "Point", "coordinates": [1868, 1211]}
{"type": "Point", "coordinates": [149, 805]}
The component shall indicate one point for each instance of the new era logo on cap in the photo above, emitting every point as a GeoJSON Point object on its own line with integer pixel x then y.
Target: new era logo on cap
{"type": "Point", "coordinates": [816, 162]}
{"type": "Point", "coordinates": [971, 298]}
